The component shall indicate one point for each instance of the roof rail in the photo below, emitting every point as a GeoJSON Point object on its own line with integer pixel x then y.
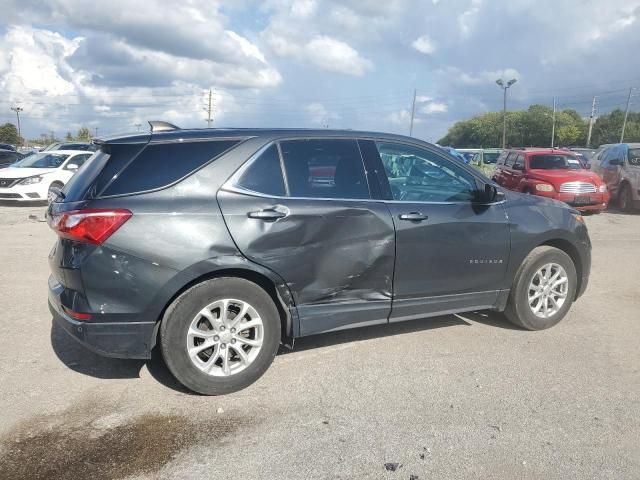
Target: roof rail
{"type": "Point", "coordinates": [159, 126]}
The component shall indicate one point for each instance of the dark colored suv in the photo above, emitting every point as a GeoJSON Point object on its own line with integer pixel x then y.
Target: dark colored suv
{"type": "Point", "coordinates": [219, 245]}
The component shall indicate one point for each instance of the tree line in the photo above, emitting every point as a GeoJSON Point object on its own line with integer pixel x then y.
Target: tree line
{"type": "Point", "coordinates": [9, 134]}
{"type": "Point", "coordinates": [532, 128]}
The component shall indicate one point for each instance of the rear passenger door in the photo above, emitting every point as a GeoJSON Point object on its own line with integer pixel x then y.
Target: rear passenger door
{"type": "Point", "coordinates": [303, 209]}
{"type": "Point", "coordinates": [517, 172]}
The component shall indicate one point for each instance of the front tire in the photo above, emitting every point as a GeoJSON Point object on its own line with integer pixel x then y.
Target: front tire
{"type": "Point", "coordinates": [220, 336]}
{"type": "Point", "coordinates": [51, 194]}
{"type": "Point", "coordinates": [544, 289]}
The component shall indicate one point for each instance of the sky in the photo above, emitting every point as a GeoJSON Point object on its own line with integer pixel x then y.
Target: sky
{"type": "Point", "coordinates": [114, 65]}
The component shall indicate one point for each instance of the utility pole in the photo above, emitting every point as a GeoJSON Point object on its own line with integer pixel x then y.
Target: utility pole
{"type": "Point", "coordinates": [18, 110]}
{"type": "Point", "coordinates": [208, 110]}
{"type": "Point", "coordinates": [553, 123]}
{"type": "Point", "coordinates": [138, 125]}
{"type": "Point", "coordinates": [413, 113]}
{"type": "Point", "coordinates": [96, 131]}
{"type": "Point", "coordinates": [626, 114]}
{"type": "Point", "coordinates": [591, 120]}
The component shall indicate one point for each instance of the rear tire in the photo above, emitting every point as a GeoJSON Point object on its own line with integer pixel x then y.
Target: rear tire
{"type": "Point", "coordinates": [625, 201]}
{"type": "Point", "coordinates": [199, 310]}
{"type": "Point", "coordinates": [554, 298]}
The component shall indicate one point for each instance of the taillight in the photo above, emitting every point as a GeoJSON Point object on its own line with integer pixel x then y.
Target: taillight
{"type": "Point", "coordinates": [91, 225]}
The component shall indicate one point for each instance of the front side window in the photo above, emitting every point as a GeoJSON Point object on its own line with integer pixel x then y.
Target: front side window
{"type": "Point", "coordinates": [264, 175]}
{"type": "Point", "coordinates": [417, 175]}
{"type": "Point", "coordinates": [519, 164]}
{"type": "Point", "coordinates": [327, 168]}
{"type": "Point", "coordinates": [511, 158]}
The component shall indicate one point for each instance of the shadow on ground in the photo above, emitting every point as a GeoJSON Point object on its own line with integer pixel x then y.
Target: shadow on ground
{"type": "Point", "coordinates": [81, 360]}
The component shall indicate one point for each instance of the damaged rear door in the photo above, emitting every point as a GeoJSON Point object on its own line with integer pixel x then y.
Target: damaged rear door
{"type": "Point", "coordinates": [303, 209]}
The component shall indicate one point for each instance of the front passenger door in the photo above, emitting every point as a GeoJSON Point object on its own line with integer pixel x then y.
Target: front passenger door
{"type": "Point", "coordinates": [451, 252]}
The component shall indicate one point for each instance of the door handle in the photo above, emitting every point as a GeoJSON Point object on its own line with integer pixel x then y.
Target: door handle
{"type": "Point", "coordinates": [267, 214]}
{"type": "Point", "coordinates": [413, 216]}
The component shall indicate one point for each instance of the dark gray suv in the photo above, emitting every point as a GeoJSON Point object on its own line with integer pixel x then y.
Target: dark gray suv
{"type": "Point", "coordinates": [219, 245]}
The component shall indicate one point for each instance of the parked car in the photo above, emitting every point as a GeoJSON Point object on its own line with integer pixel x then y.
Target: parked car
{"type": "Point", "coordinates": [481, 156]}
{"type": "Point", "coordinates": [6, 146]}
{"type": "Point", "coordinates": [585, 154]}
{"type": "Point", "coordinates": [36, 176]}
{"type": "Point", "coordinates": [219, 245]}
{"type": "Point", "coordinates": [7, 157]}
{"type": "Point", "coordinates": [619, 167]}
{"type": "Point", "coordinates": [552, 173]}
{"type": "Point", "coordinates": [90, 147]}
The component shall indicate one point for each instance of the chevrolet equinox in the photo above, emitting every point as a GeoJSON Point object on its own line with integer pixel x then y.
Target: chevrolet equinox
{"type": "Point", "coordinates": [218, 245]}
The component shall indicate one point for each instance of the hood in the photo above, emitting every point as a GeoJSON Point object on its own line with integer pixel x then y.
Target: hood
{"type": "Point", "coordinates": [561, 176]}
{"type": "Point", "coordinates": [17, 172]}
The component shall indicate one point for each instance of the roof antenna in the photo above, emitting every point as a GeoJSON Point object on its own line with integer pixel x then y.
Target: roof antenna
{"type": "Point", "coordinates": [159, 126]}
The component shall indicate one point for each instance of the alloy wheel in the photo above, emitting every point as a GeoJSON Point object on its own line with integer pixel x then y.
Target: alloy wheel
{"type": "Point", "coordinates": [225, 337]}
{"type": "Point", "coordinates": [548, 290]}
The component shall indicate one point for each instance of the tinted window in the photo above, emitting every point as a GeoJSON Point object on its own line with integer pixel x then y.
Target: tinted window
{"type": "Point", "coordinates": [161, 164]}
{"type": "Point", "coordinates": [511, 158]}
{"type": "Point", "coordinates": [418, 175]}
{"type": "Point", "coordinates": [324, 169]}
{"type": "Point", "coordinates": [264, 175]}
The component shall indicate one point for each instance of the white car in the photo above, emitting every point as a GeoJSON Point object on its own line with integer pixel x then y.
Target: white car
{"type": "Point", "coordinates": [34, 177]}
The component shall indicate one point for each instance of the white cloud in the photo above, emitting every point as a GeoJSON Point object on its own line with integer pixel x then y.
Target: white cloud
{"type": "Point", "coordinates": [319, 114]}
{"type": "Point", "coordinates": [336, 56]}
{"type": "Point", "coordinates": [424, 44]}
{"type": "Point", "coordinates": [467, 19]}
{"type": "Point", "coordinates": [434, 107]}
{"type": "Point", "coordinates": [485, 77]}
{"type": "Point", "coordinates": [402, 118]}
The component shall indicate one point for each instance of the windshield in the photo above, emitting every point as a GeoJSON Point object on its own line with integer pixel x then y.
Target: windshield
{"type": "Point", "coordinates": [491, 157]}
{"type": "Point", "coordinates": [42, 160]}
{"type": "Point", "coordinates": [555, 162]}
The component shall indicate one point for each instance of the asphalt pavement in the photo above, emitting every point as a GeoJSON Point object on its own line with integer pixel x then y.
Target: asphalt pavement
{"type": "Point", "coordinates": [458, 396]}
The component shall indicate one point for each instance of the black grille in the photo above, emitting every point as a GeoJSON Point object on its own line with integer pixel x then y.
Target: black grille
{"type": "Point", "coordinates": [8, 182]}
{"type": "Point", "coordinates": [10, 195]}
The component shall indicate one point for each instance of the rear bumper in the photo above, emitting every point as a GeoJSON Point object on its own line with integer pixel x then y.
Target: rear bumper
{"type": "Point", "coordinates": [112, 339]}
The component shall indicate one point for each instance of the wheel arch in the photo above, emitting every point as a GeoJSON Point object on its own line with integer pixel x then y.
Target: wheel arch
{"type": "Point", "coordinates": [265, 279]}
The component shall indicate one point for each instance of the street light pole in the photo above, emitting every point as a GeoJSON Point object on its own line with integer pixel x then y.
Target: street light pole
{"type": "Point", "coordinates": [626, 114]}
{"type": "Point", "coordinates": [553, 123]}
{"type": "Point", "coordinates": [504, 86]}
{"type": "Point", "coordinates": [18, 110]}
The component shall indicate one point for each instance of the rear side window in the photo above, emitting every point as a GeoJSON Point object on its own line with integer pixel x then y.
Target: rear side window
{"type": "Point", "coordinates": [162, 164]}
{"type": "Point", "coordinates": [328, 168]}
{"type": "Point", "coordinates": [264, 175]}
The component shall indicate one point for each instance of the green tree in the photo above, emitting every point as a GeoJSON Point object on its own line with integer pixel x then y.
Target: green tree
{"type": "Point", "coordinates": [9, 134]}
{"type": "Point", "coordinates": [607, 128]}
{"type": "Point", "coordinates": [531, 127]}
{"type": "Point", "coordinates": [69, 137]}
{"type": "Point", "coordinates": [84, 135]}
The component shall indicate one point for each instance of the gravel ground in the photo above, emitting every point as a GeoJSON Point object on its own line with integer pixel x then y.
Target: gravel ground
{"type": "Point", "coordinates": [465, 396]}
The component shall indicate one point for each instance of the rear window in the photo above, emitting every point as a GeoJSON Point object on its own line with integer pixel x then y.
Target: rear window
{"type": "Point", "coordinates": [162, 164]}
{"type": "Point", "coordinates": [555, 162]}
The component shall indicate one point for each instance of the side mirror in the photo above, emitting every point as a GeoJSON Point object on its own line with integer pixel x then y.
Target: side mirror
{"type": "Point", "coordinates": [72, 166]}
{"type": "Point", "coordinates": [587, 166]}
{"type": "Point", "coordinates": [490, 194]}
{"type": "Point", "coordinates": [615, 161]}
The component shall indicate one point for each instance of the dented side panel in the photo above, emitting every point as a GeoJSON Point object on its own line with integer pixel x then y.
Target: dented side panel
{"type": "Point", "coordinates": [337, 257]}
